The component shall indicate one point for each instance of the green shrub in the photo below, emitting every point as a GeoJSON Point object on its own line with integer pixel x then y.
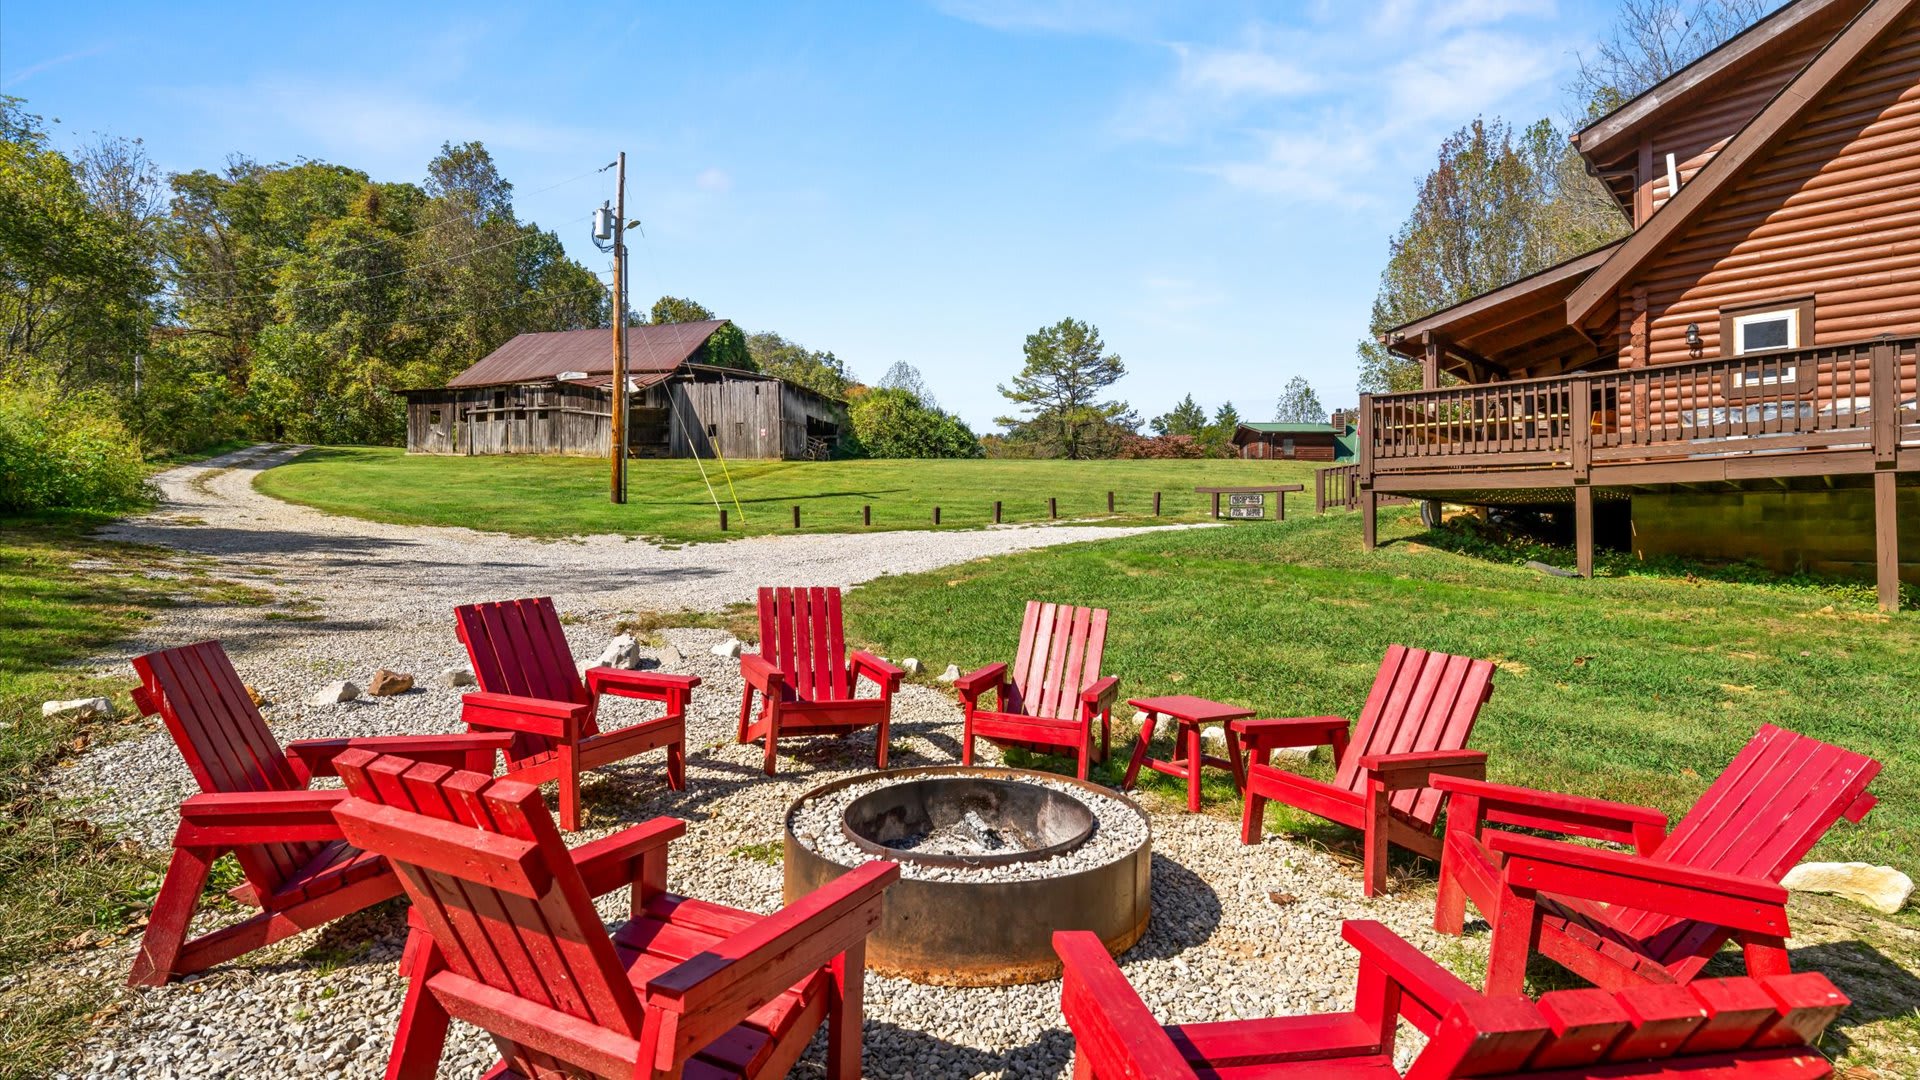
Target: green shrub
{"type": "Point", "coordinates": [895, 424]}
{"type": "Point", "coordinates": [66, 450]}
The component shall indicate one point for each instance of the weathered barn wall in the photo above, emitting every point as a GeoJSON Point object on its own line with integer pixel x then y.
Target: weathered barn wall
{"type": "Point", "coordinates": [740, 417]}
{"type": "Point", "coordinates": [809, 423]}
{"type": "Point", "coordinates": [527, 419]}
{"type": "Point", "coordinates": [1833, 212]}
{"type": "Point", "coordinates": [1826, 532]}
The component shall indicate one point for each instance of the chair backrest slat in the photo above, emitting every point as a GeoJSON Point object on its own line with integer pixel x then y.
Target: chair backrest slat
{"type": "Point", "coordinates": [1420, 701]}
{"type": "Point", "coordinates": [518, 647]}
{"type": "Point", "coordinates": [1727, 1026]}
{"type": "Point", "coordinates": [1760, 816]}
{"type": "Point", "coordinates": [802, 634]}
{"type": "Point", "coordinates": [1059, 655]}
{"type": "Point", "coordinates": [225, 741]}
{"type": "Point", "coordinates": [551, 949]}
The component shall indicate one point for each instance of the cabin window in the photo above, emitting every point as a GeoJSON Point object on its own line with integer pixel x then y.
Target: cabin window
{"type": "Point", "coordinates": [499, 399]}
{"type": "Point", "coordinates": [713, 431]}
{"type": "Point", "coordinates": [433, 417]}
{"type": "Point", "coordinates": [1764, 331]}
{"type": "Point", "coordinates": [1286, 447]}
{"type": "Point", "coordinates": [540, 414]}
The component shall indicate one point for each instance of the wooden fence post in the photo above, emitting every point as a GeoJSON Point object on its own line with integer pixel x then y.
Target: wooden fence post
{"type": "Point", "coordinates": [723, 521]}
{"type": "Point", "coordinates": [1053, 507]}
{"type": "Point", "coordinates": [1583, 530]}
{"type": "Point", "coordinates": [866, 515]}
{"type": "Point", "coordinates": [1156, 504]}
{"type": "Point", "coordinates": [796, 517]}
{"type": "Point", "coordinates": [1884, 405]}
{"type": "Point", "coordinates": [996, 511]}
{"type": "Point", "coordinates": [1109, 502]}
{"type": "Point", "coordinates": [936, 515]}
{"type": "Point", "coordinates": [1363, 478]}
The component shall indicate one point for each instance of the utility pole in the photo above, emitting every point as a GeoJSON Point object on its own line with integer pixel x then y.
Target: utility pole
{"type": "Point", "coordinates": [618, 451]}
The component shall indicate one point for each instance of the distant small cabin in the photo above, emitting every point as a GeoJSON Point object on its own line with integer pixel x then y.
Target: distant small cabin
{"type": "Point", "coordinates": [552, 393]}
{"type": "Point", "coordinates": [1332, 441]}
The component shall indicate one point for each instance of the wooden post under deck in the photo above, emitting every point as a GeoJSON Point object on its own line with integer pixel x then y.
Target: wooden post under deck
{"type": "Point", "coordinates": [1369, 502]}
{"type": "Point", "coordinates": [1583, 530]}
{"type": "Point", "coordinates": [1886, 539]}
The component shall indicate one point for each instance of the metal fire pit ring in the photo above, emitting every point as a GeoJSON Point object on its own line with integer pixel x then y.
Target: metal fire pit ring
{"type": "Point", "coordinates": [1052, 820]}
{"type": "Point", "coordinates": [987, 932]}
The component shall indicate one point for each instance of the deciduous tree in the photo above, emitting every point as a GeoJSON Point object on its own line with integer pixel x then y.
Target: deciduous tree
{"type": "Point", "coordinates": [1298, 404]}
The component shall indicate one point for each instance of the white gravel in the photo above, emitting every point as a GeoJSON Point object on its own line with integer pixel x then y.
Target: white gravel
{"type": "Point", "coordinates": [365, 595]}
{"type": "Point", "coordinates": [1118, 832]}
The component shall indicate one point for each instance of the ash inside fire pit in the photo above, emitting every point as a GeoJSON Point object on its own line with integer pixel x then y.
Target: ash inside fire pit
{"type": "Point", "coordinates": [967, 821]}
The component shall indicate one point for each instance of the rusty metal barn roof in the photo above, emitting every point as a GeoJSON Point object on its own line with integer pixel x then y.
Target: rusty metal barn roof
{"type": "Point", "coordinates": [537, 357]}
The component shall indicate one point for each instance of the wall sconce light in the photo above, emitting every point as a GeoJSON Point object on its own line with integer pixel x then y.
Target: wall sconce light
{"type": "Point", "coordinates": [1693, 336]}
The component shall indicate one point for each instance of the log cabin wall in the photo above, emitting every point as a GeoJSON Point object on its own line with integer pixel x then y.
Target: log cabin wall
{"type": "Point", "coordinates": [1832, 213]}
{"type": "Point", "coordinates": [1271, 446]}
{"type": "Point", "coordinates": [1696, 134]}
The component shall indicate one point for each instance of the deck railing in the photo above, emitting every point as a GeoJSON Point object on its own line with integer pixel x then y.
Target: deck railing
{"type": "Point", "coordinates": [1859, 395]}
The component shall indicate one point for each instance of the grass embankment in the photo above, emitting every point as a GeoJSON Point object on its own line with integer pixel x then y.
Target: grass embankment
{"type": "Point", "coordinates": [1633, 686]}
{"type": "Point", "coordinates": [558, 496]}
{"type": "Point", "coordinates": [64, 884]}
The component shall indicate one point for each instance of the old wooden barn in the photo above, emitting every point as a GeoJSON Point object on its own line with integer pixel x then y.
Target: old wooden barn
{"type": "Point", "coordinates": [552, 393]}
{"type": "Point", "coordinates": [1735, 379]}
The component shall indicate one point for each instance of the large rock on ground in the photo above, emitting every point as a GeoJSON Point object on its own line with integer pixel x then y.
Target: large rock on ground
{"type": "Point", "coordinates": [386, 683]}
{"type": "Point", "coordinates": [1881, 888]}
{"type": "Point", "coordinates": [729, 648]}
{"type": "Point", "coordinates": [78, 708]}
{"type": "Point", "coordinates": [621, 652]}
{"type": "Point", "coordinates": [335, 692]}
{"type": "Point", "coordinates": [454, 678]}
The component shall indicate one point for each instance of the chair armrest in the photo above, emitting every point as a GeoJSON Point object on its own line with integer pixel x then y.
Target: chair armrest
{"type": "Point", "coordinates": [727, 982]}
{"type": "Point", "coordinates": [761, 674]}
{"type": "Point", "coordinates": [882, 673]}
{"type": "Point", "coordinates": [1400, 772]}
{"type": "Point", "coordinates": [1421, 981]}
{"type": "Point", "coordinates": [314, 757]}
{"type": "Point", "coordinates": [975, 683]}
{"type": "Point", "coordinates": [1113, 1030]}
{"type": "Point", "coordinates": [226, 819]}
{"type": "Point", "coordinates": [1101, 695]}
{"type": "Point", "coordinates": [1476, 801]}
{"type": "Point", "coordinates": [1612, 877]}
{"type": "Point", "coordinates": [614, 861]}
{"type": "Point", "coordinates": [535, 716]}
{"type": "Point", "coordinates": [1293, 731]}
{"type": "Point", "coordinates": [645, 685]}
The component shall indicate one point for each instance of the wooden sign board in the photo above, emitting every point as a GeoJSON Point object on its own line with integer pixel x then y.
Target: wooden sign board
{"type": "Point", "coordinates": [1247, 506]}
{"type": "Point", "coordinates": [1247, 512]}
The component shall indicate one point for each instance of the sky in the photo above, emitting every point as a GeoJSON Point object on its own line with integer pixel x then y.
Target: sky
{"type": "Point", "coordinates": [1213, 185]}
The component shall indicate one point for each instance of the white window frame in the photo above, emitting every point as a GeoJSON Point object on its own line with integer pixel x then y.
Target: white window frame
{"type": "Point", "coordinates": [1741, 322]}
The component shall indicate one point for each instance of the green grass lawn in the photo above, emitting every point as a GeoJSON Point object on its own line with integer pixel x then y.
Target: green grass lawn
{"type": "Point", "coordinates": [1632, 686]}
{"type": "Point", "coordinates": [560, 496]}
{"type": "Point", "coordinates": [1635, 686]}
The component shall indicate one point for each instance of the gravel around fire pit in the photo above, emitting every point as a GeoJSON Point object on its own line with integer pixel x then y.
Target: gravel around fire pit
{"type": "Point", "coordinates": [324, 1003]}
{"type": "Point", "coordinates": [1117, 832]}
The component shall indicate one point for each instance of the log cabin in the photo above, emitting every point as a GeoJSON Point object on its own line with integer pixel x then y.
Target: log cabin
{"type": "Point", "coordinates": [1737, 375]}
{"type": "Point", "coordinates": [552, 393]}
{"type": "Point", "coordinates": [1333, 441]}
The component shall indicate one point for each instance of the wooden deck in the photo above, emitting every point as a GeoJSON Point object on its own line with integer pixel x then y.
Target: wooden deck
{"type": "Point", "coordinates": [1829, 411]}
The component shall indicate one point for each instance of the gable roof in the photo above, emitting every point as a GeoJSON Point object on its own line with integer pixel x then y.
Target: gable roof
{"type": "Point", "coordinates": [1606, 138]}
{"type": "Point", "coordinates": [1292, 429]}
{"type": "Point", "coordinates": [1780, 115]}
{"type": "Point", "coordinates": [656, 347]}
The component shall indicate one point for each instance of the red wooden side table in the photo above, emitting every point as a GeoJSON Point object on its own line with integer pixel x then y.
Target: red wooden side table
{"type": "Point", "coordinates": [1189, 713]}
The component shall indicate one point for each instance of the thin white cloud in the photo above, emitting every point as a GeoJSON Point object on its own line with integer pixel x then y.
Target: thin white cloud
{"type": "Point", "coordinates": [49, 64]}
{"type": "Point", "coordinates": [1314, 109]}
{"type": "Point", "coordinates": [715, 180]}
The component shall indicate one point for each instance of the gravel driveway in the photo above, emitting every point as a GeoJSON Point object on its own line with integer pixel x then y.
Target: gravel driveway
{"type": "Point", "coordinates": [354, 595]}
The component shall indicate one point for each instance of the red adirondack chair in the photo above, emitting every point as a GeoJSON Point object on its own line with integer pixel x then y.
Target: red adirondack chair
{"type": "Point", "coordinates": [1658, 915]}
{"type": "Point", "coordinates": [254, 803]}
{"type": "Point", "coordinates": [530, 686]}
{"type": "Point", "coordinates": [1718, 1029]}
{"type": "Point", "coordinates": [505, 936]}
{"type": "Point", "coordinates": [806, 678]}
{"type": "Point", "coordinates": [1050, 702]}
{"type": "Point", "coordinates": [1414, 728]}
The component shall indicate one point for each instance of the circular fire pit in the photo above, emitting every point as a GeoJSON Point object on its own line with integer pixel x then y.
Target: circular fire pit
{"type": "Point", "coordinates": [993, 861]}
